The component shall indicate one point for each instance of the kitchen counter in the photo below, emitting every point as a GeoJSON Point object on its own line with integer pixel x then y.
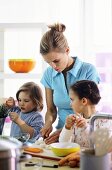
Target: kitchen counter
{"type": "Point", "coordinates": [52, 159]}
{"type": "Point", "coordinates": [45, 162]}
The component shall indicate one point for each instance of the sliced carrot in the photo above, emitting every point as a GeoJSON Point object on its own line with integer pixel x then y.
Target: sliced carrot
{"type": "Point", "coordinates": [34, 150]}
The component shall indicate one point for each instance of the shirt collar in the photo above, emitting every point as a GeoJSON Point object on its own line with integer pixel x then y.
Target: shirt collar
{"type": "Point", "coordinates": [77, 65]}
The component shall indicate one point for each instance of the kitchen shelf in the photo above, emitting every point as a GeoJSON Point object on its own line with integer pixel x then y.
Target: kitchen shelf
{"type": "Point", "coordinates": [19, 76]}
{"type": "Point", "coordinates": [35, 30]}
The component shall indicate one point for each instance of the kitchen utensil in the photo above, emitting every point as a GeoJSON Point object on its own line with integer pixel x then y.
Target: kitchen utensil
{"type": "Point", "coordinates": [100, 142]}
{"type": "Point", "coordinates": [100, 138]}
{"type": "Point", "coordinates": [89, 161]}
{"type": "Point", "coordinates": [64, 148]}
{"type": "Point", "coordinates": [23, 137]}
{"type": "Point", "coordinates": [46, 166]}
{"type": "Point", "coordinates": [95, 117]}
{"type": "Point", "coordinates": [47, 154]}
{"type": "Point", "coordinates": [10, 155]}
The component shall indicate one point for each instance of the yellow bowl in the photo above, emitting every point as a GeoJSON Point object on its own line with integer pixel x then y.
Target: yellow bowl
{"type": "Point", "coordinates": [64, 148]}
{"type": "Point", "coordinates": [21, 65]}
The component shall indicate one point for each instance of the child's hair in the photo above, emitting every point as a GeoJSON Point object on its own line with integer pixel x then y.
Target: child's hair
{"type": "Point", "coordinates": [35, 93]}
{"type": "Point", "coordinates": [54, 39]}
{"type": "Point", "coordinates": [87, 89]}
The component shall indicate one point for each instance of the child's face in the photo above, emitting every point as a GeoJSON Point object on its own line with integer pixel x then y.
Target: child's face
{"type": "Point", "coordinates": [76, 103]}
{"type": "Point", "coordinates": [25, 102]}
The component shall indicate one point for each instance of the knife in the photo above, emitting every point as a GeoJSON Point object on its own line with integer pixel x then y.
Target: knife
{"type": "Point", "coordinates": [47, 166]}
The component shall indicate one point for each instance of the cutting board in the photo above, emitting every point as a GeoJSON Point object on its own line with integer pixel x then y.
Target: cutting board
{"type": "Point", "coordinates": [47, 154]}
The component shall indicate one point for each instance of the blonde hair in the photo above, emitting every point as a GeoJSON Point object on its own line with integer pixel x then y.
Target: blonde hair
{"type": "Point", "coordinates": [54, 39]}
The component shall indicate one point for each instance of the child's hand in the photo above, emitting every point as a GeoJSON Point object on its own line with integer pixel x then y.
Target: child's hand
{"type": "Point", "coordinates": [10, 102]}
{"type": "Point", "coordinates": [14, 116]}
{"type": "Point", "coordinates": [81, 122]}
{"type": "Point", "coordinates": [70, 120]}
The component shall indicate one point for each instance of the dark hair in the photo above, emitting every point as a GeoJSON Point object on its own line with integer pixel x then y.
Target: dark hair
{"type": "Point", "coordinates": [54, 39]}
{"type": "Point", "coordinates": [87, 89]}
{"type": "Point", "coordinates": [35, 94]}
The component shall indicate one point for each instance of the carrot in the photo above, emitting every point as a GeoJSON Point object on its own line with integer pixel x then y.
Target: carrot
{"type": "Point", "coordinates": [34, 150]}
{"type": "Point", "coordinates": [73, 157]}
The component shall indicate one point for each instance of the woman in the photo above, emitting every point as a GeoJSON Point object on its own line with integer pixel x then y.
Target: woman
{"type": "Point", "coordinates": [64, 71]}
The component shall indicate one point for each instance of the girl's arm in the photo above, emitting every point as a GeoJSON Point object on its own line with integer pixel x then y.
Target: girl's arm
{"type": "Point", "coordinates": [66, 135]}
{"type": "Point", "coordinates": [23, 126]}
{"type": "Point", "coordinates": [82, 134]}
{"type": "Point", "coordinates": [67, 132]}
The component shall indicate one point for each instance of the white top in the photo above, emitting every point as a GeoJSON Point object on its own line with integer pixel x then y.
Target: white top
{"type": "Point", "coordinates": [81, 135]}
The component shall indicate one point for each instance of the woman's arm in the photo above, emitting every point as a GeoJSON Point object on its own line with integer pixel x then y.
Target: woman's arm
{"type": "Point", "coordinates": [51, 113]}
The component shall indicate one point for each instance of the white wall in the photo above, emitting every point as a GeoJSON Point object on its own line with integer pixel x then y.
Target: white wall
{"type": "Point", "coordinates": [68, 12]}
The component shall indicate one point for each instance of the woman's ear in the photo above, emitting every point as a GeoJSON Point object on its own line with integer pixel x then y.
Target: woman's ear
{"type": "Point", "coordinates": [67, 50]}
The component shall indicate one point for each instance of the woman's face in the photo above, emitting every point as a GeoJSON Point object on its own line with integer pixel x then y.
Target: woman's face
{"type": "Point", "coordinates": [58, 61]}
{"type": "Point", "coordinates": [76, 103]}
{"type": "Point", "coordinates": [25, 102]}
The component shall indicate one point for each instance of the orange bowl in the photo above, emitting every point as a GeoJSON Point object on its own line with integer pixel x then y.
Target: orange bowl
{"type": "Point", "coordinates": [21, 65]}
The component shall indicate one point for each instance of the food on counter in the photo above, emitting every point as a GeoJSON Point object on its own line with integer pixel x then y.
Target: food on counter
{"type": "Point", "coordinates": [72, 160]}
{"type": "Point", "coordinates": [42, 144]}
{"type": "Point", "coordinates": [34, 150]}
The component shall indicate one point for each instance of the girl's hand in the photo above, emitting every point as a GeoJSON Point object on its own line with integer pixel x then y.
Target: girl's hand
{"type": "Point", "coordinates": [70, 120]}
{"type": "Point", "coordinates": [10, 102]}
{"type": "Point", "coordinates": [14, 116]}
{"type": "Point", "coordinates": [81, 122]}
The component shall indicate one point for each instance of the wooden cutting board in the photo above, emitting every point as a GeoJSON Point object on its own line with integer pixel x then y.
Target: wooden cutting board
{"type": "Point", "coordinates": [47, 154]}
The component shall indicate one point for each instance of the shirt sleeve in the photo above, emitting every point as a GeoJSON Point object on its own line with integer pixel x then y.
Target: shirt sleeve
{"type": "Point", "coordinates": [82, 136]}
{"type": "Point", "coordinates": [66, 135]}
{"type": "Point", "coordinates": [37, 123]}
{"type": "Point", "coordinates": [47, 78]}
{"type": "Point", "coordinates": [92, 73]}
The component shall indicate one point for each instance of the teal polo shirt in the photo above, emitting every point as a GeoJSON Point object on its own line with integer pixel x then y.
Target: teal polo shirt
{"type": "Point", "coordinates": [54, 80]}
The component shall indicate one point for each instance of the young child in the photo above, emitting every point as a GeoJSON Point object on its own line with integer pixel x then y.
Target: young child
{"type": "Point", "coordinates": [84, 96]}
{"type": "Point", "coordinates": [26, 117]}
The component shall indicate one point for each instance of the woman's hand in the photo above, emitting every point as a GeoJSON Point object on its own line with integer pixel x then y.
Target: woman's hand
{"type": "Point", "coordinates": [46, 130]}
{"type": "Point", "coordinates": [71, 160]}
{"type": "Point", "coordinates": [54, 137]}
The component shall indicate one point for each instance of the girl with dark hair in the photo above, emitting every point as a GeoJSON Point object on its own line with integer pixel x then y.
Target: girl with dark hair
{"type": "Point", "coordinates": [84, 97]}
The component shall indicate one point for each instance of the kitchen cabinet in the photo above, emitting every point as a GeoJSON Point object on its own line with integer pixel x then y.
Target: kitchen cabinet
{"type": "Point", "coordinates": [19, 40]}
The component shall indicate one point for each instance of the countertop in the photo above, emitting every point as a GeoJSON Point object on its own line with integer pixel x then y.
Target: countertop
{"type": "Point", "coordinates": [45, 162]}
